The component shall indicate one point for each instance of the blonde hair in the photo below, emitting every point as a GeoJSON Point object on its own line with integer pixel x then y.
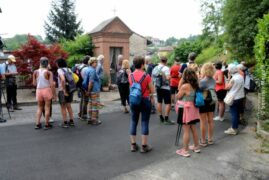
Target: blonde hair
{"type": "Point", "coordinates": [208, 70]}
{"type": "Point", "coordinates": [92, 60]}
{"type": "Point", "coordinates": [125, 64]}
{"type": "Point", "coordinates": [194, 67]}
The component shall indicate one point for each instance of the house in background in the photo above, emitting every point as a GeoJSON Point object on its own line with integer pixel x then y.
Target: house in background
{"type": "Point", "coordinates": [113, 37]}
{"type": "Point", "coordinates": [138, 45]}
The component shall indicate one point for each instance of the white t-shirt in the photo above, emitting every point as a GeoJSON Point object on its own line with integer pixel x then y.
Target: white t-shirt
{"type": "Point", "coordinates": [166, 71]}
{"type": "Point", "coordinates": [237, 89]}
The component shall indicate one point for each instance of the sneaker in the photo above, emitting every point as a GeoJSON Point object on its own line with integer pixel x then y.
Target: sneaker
{"type": "Point", "coordinates": [17, 108]}
{"type": "Point", "coordinates": [49, 126]}
{"type": "Point", "coordinates": [71, 123]}
{"type": "Point", "coordinates": [2, 120]}
{"type": "Point", "coordinates": [65, 125]}
{"type": "Point", "coordinates": [51, 120]}
{"type": "Point", "coordinates": [146, 149]}
{"type": "Point", "coordinates": [217, 118]}
{"type": "Point", "coordinates": [183, 152]}
{"type": "Point", "coordinates": [96, 122]}
{"type": "Point", "coordinates": [168, 122]}
{"type": "Point", "coordinates": [231, 131]}
{"type": "Point", "coordinates": [221, 118]}
{"type": "Point", "coordinates": [38, 126]}
{"type": "Point", "coordinates": [83, 118]}
{"type": "Point", "coordinates": [134, 147]}
{"type": "Point", "coordinates": [11, 109]}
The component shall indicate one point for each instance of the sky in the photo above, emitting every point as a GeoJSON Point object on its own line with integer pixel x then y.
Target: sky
{"type": "Point", "coordinates": [157, 18]}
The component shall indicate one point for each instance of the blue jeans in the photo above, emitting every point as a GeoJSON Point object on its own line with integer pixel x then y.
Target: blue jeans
{"type": "Point", "coordinates": [144, 108]}
{"type": "Point", "coordinates": [235, 110]}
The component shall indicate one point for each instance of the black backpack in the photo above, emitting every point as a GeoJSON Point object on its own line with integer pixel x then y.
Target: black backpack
{"type": "Point", "coordinates": [70, 84]}
{"type": "Point", "coordinates": [122, 77]}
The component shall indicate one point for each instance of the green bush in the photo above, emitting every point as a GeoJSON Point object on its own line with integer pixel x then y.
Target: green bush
{"type": "Point", "coordinates": [77, 49]}
{"type": "Point", "coordinates": [262, 68]}
{"type": "Point", "coordinates": [105, 80]}
{"type": "Point", "coordinates": [209, 54]}
{"type": "Point", "coordinates": [183, 50]}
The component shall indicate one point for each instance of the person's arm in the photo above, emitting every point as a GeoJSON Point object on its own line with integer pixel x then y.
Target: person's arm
{"type": "Point", "coordinates": [52, 84]}
{"type": "Point", "coordinates": [180, 83]}
{"type": "Point", "coordinates": [91, 80]}
{"type": "Point", "coordinates": [62, 79]}
{"type": "Point", "coordinates": [14, 69]}
{"type": "Point", "coordinates": [181, 92]}
{"type": "Point", "coordinates": [229, 85]}
{"type": "Point", "coordinates": [34, 78]}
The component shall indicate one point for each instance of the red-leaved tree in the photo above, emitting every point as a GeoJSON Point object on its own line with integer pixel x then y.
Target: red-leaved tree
{"type": "Point", "coordinates": [28, 56]}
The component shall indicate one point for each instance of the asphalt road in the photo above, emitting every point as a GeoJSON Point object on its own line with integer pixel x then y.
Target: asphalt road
{"type": "Point", "coordinates": [88, 152]}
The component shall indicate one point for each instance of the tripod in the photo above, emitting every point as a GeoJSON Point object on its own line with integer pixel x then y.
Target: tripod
{"type": "Point", "coordinates": [2, 94]}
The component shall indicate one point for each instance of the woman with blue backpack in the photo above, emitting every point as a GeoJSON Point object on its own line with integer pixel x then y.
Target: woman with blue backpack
{"type": "Point", "coordinates": [141, 89]}
{"type": "Point", "coordinates": [188, 113]}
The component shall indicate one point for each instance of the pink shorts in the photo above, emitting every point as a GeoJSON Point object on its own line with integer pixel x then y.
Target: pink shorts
{"type": "Point", "coordinates": [44, 94]}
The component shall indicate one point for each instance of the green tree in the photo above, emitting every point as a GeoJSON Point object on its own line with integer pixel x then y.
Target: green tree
{"type": "Point", "coordinates": [183, 50]}
{"type": "Point", "coordinates": [79, 47]}
{"type": "Point", "coordinates": [212, 18]}
{"type": "Point", "coordinates": [171, 41]}
{"type": "Point", "coordinates": [16, 41]}
{"type": "Point", "coordinates": [62, 21]}
{"type": "Point", "coordinates": [240, 20]}
{"type": "Point", "coordinates": [262, 56]}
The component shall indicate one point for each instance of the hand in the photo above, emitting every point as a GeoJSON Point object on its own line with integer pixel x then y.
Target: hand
{"type": "Point", "coordinates": [65, 93]}
{"type": "Point", "coordinates": [87, 93]}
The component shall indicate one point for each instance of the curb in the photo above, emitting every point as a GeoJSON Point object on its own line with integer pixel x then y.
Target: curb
{"type": "Point", "coordinates": [264, 134]}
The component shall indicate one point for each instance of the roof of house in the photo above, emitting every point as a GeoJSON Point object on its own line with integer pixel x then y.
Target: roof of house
{"type": "Point", "coordinates": [105, 23]}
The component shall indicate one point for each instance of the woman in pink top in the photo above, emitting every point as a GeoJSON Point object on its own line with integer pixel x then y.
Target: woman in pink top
{"type": "Point", "coordinates": [220, 91]}
{"type": "Point", "coordinates": [45, 92]}
{"type": "Point", "coordinates": [190, 115]}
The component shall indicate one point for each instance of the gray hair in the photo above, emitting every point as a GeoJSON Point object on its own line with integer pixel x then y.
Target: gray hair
{"type": "Point", "coordinates": [232, 68]}
{"type": "Point", "coordinates": [100, 57]}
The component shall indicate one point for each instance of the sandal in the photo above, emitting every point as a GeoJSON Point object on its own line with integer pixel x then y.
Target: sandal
{"type": "Point", "coordinates": [195, 149]}
{"type": "Point", "coordinates": [210, 142]}
{"type": "Point", "coordinates": [134, 147]}
{"type": "Point", "coordinates": [183, 152]}
{"type": "Point", "coordinates": [204, 144]}
{"type": "Point", "coordinates": [96, 122]}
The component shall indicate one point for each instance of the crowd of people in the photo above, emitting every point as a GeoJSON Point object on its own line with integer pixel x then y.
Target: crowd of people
{"type": "Point", "coordinates": [177, 87]}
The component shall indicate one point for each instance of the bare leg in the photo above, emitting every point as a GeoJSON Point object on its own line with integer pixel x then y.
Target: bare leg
{"type": "Point", "coordinates": [144, 140]}
{"type": "Point", "coordinates": [186, 137]}
{"type": "Point", "coordinates": [63, 110]}
{"type": "Point", "coordinates": [203, 121]}
{"type": "Point", "coordinates": [221, 108]}
{"type": "Point", "coordinates": [47, 111]}
{"type": "Point", "coordinates": [70, 111]}
{"type": "Point", "coordinates": [167, 109]}
{"type": "Point", "coordinates": [39, 111]}
{"type": "Point", "coordinates": [210, 125]}
{"type": "Point", "coordinates": [159, 107]}
{"type": "Point", "coordinates": [133, 139]}
{"type": "Point", "coordinates": [195, 136]}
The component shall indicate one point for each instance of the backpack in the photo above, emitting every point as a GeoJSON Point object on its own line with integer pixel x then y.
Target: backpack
{"type": "Point", "coordinates": [211, 97]}
{"type": "Point", "coordinates": [159, 81]}
{"type": "Point", "coordinates": [77, 70]}
{"type": "Point", "coordinates": [199, 98]}
{"type": "Point", "coordinates": [70, 84]}
{"type": "Point", "coordinates": [136, 93]}
{"type": "Point", "coordinates": [122, 77]}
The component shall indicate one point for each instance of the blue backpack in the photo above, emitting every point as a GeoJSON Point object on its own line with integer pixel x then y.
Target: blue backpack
{"type": "Point", "coordinates": [136, 94]}
{"type": "Point", "coordinates": [199, 98]}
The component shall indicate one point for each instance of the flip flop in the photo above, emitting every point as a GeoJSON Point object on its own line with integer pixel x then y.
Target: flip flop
{"type": "Point", "coordinates": [183, 153]}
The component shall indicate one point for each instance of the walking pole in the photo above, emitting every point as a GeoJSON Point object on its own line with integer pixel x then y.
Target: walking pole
{"type": "Point", "coordinates": [178, 134]}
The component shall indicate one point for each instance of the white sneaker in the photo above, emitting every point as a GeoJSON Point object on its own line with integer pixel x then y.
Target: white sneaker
{"type": "Point", "coordinates": [231, 131]}
{"type": "Point", "coordinates": [217, 118]}
{"type": "Point", "coordinates": [221, 118]}
{"type": "Point", "coordinates": [51, 120]}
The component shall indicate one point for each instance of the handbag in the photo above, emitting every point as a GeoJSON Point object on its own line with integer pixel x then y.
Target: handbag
{"type": "Point", "coordinates": [229, 99]}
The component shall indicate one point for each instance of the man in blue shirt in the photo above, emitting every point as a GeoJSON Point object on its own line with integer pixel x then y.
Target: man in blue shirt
{"type": "Point", "coordinates": [11, 85]}
{"type": "Point", "coordinates": [93, 91]}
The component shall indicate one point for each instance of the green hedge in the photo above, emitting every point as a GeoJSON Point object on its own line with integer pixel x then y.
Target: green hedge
{"type": "Point", "coordinates": [262, 67]}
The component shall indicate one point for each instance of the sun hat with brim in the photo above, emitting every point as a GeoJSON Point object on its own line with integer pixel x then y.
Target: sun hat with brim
{"type": "Point", "coordinates": [12, 58]}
